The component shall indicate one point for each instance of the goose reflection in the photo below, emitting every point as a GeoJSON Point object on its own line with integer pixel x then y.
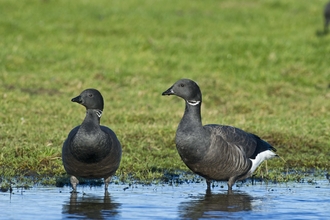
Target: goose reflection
{"type": "Point", "coordinates": [90, 207]}
{"type": "Point", "coordinates": [210, 205]}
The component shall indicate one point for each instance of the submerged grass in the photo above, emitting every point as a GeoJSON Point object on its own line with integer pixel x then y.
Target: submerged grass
{"type": "Point", "coordinates": [262, 66]}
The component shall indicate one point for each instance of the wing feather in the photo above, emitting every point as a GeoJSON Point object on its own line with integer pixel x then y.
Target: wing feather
{"type": "Point", "coordinates": [247, 142]}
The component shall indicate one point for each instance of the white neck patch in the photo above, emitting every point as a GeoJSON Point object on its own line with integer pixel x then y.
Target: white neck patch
{"type": "Point", "coordinates": [193, 103]}
{"type": "Point", "coordinates": [98, 113]}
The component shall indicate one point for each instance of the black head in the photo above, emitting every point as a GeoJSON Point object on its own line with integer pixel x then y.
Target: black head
{"type": "Point", "coordinates": [91, 99]}
{"type": "Point", "coordinates": [186, 89]}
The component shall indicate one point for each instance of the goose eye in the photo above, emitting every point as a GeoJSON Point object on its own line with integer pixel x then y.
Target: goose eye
{"type": "Point", "coordinates": [90, 95]}
{"type": "Point", "coordinates": [181, 85]}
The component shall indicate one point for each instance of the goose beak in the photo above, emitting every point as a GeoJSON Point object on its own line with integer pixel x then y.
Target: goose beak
{"type": "Point", "coordinates": [77, 99]}
{"type": "Point", "coordinates": [169, 91]}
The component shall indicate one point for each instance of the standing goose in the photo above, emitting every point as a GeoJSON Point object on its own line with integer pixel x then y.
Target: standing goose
{"type": "Point", "coordinates": [91, 150]}
{"type": "Point", "coordinates": [326, 17]}
{"type": "Point", "coordinates": [215, 152]}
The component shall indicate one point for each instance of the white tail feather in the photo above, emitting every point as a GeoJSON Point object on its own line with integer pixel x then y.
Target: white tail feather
{"type": "Point", "coordinates": [265, 155]}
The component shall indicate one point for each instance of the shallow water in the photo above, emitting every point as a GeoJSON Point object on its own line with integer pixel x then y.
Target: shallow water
{"type": "Point", "coordinates": [164, 201]}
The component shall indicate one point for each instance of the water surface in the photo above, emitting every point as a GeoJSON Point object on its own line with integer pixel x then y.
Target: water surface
{"type": "Point", "coordinates": [167, 201]}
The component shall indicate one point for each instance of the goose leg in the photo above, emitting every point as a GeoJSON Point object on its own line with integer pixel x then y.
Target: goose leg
{"type": "Point", "coordinates": [74, 181]}
{"type": "Point", "coordinates": [106, 183]}
{"type": "Point", "coordinates": [231, 182]}
{"type": "Point", "coordinates": [208, 183]}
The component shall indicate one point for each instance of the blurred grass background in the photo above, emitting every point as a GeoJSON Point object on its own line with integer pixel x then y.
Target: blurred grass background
{"type": "Point", "coordinates": [262, 66]}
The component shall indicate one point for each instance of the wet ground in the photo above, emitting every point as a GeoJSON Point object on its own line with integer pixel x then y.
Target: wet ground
{"type": "Point", "coordinates": [310, 200]}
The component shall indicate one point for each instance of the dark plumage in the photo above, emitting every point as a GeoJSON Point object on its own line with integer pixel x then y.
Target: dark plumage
{"type": "Point", "coordinates": [91, 150]}
{"type": "Point", "coordinates": [326, 17]}
{"type": "Point", "coordinates": [216, 152]}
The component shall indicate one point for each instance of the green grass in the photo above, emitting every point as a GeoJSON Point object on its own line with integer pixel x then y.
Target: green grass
{"type": "Point", "coordinates": [263, 66]}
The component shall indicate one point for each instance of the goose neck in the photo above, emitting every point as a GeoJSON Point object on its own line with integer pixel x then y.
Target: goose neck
{"type": "Point", "coordinates": [192, 115]}
{"type": "Point", "coordinates": [93, 116]}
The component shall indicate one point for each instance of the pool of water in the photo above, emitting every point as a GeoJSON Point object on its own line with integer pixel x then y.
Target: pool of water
{"type": "Point", "coordinates": [170, 201]}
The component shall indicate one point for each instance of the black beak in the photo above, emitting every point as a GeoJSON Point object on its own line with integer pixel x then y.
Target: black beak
{"type": "Point", "coordinates": [169, 91]}
{"type": "Point", "coordinates": [77, 99]}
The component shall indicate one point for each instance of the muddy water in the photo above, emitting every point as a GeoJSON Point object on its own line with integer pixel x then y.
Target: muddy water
{"type": "Point", "coordinates": [164, 201]}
